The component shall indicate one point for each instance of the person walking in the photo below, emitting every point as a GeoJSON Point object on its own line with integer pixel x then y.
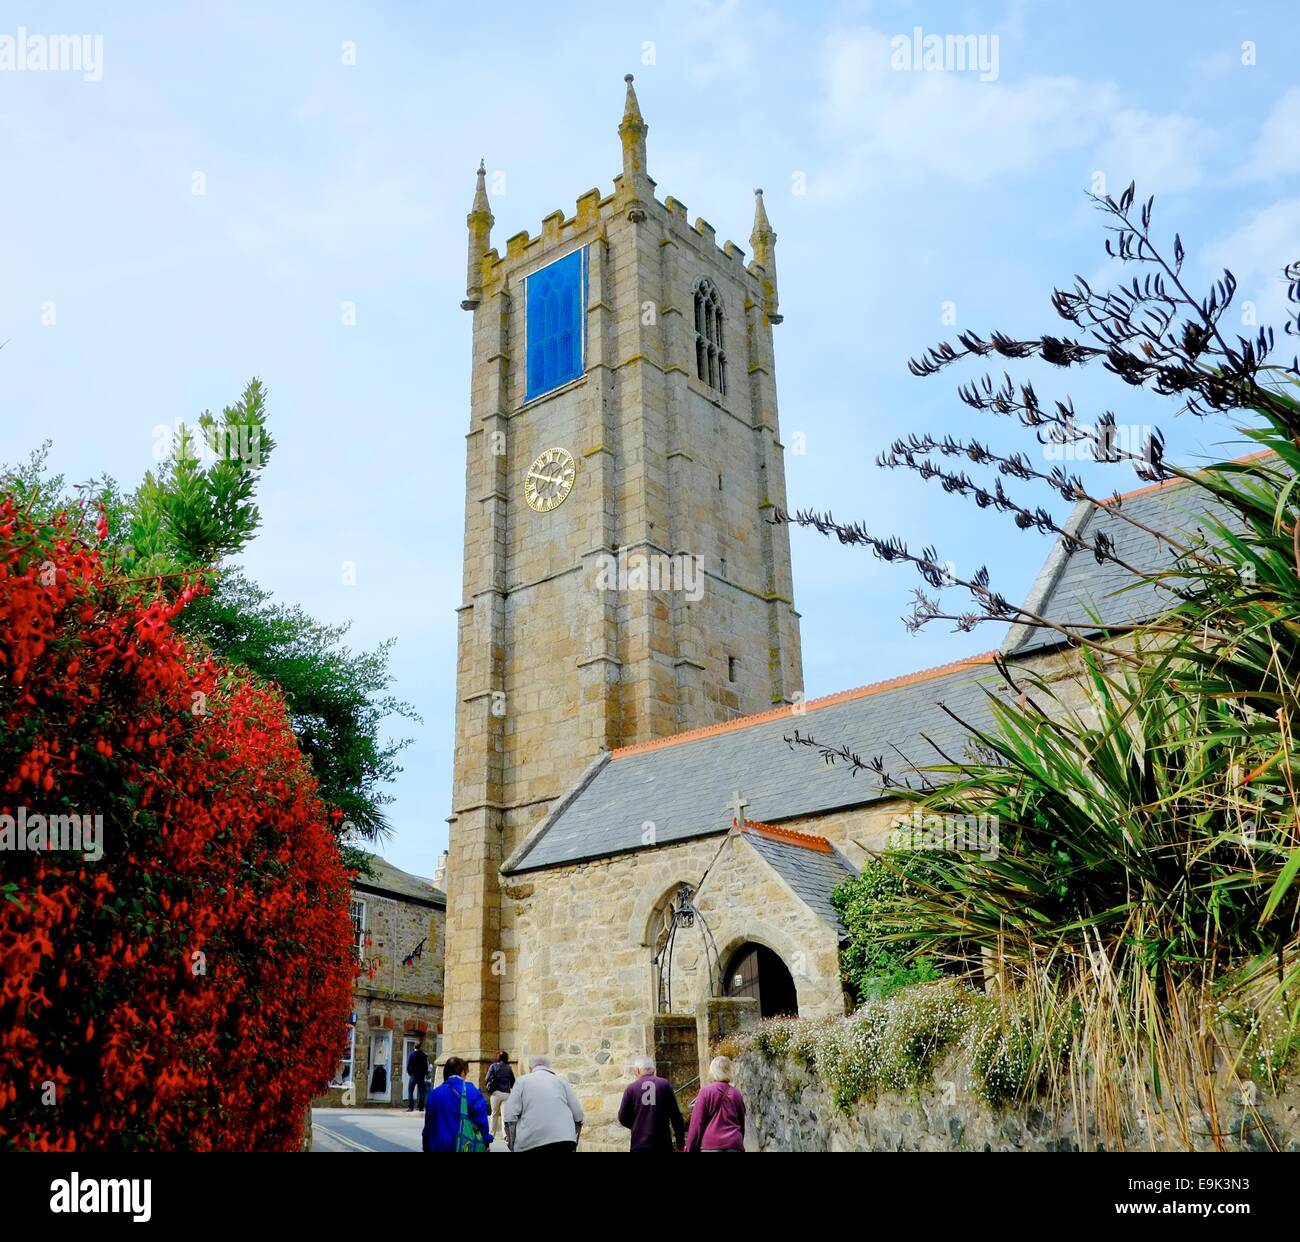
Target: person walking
{"type": "Point", "coordinates": [543, 1112]}
{"type": "Point", "coordinates": [500, 1083]}
{"type": "Point", "coordinates": [455, 1117]}
{"type": "Point", "coordinates": [417, 1072]}
{"type": "Point", "coordinates": [649, 1109]}
{"type": "Point", "coordinates": [718, 1118]}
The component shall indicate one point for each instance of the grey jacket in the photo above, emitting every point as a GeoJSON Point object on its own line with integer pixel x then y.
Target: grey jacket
{"type": "Point", "coordinates": [544, 1109]}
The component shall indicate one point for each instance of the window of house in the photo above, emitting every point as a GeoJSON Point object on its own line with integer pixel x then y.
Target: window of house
{"type": "Point", "coordinates": [710, 351]}
{"type": "Point", "coordinates": [358, 911]}
{"type": "Point", "coordinates": [555, 329]}
{"type": "Point", "coordinates": [732, 665]}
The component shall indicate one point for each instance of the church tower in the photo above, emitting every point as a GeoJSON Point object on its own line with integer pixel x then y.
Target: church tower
{"type": "Point", "coordinates": [622, 579]}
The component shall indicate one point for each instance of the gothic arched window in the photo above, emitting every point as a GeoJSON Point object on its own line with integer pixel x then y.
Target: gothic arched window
{"type": "Point", "coordinates": [710, 352]}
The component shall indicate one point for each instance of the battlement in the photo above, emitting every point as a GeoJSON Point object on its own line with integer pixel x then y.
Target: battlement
{"type": "Point", "coordinates": [633, 199]}
{"type": "Point", "coordinates": [593, 210]}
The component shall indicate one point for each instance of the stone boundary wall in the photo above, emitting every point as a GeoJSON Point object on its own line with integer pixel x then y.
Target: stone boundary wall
{"type": "Point", "coordinates": [787, 1109]}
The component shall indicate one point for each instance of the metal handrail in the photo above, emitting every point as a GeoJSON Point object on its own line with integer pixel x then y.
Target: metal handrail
{"type": "Point", "coordinates": [679, 1090]}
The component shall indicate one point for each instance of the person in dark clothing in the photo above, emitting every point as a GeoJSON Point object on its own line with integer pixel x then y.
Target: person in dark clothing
{"type": "Point", "coordinates": [417, 1069]}
{"type": "Point", "coordinates": [500, 1083]}
{"type": "Point", "coordinates": [649, 1109]}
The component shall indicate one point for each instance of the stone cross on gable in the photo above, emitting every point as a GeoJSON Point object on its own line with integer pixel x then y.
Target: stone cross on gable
{"type": "Point", "coordinates": [737, 807]}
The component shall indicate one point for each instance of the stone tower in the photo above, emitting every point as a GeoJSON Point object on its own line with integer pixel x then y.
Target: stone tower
{"type": "Point", "coordinates": [622, 580]}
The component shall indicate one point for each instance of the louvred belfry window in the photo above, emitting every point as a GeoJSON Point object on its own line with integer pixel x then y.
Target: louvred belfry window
{"type": "Point", "coordinates": [710, 353]}
{"type": "Point", "coordinates": [555, 299]}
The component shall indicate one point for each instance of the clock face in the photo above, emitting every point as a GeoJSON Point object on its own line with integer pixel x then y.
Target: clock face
{"type": "Point", "coordinates": [550, 480]}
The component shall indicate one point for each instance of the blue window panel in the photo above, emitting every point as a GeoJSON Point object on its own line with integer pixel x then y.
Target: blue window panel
{"type": "Point", "coordinates": [556, 299]}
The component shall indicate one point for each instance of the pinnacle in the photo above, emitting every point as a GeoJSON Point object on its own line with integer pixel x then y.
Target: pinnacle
{"type": "Point", "coordinates": [631, 108]}
{"type": "Point", "coordinates": [481, 207]}
{"type": "Point", "coordinates": [762, 225]}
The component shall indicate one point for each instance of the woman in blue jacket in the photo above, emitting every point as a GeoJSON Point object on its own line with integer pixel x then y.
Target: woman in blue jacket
{"type": "Point", "coordinates": [455, 1114]}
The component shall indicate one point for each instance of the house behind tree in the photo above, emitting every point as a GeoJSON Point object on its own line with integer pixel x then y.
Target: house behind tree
{"type": "Point", "coordinates": [398, 924]}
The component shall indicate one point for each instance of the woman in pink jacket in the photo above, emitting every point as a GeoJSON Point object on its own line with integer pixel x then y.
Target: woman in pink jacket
{"type": "Point", "coordinates": [718, 1118]}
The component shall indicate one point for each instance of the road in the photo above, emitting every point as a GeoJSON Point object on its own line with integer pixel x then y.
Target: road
{"type": "Point", "coordinates": [369, 1129]}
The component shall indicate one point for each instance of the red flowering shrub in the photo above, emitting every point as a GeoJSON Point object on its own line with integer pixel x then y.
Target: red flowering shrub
{"type": "Point", "coordinates": [189, 989]}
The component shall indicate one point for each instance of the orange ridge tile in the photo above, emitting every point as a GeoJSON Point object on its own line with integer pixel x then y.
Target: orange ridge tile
{"type": "Point", "coordinates": [805, 840]}
{"type": "Point", "coordinates": [1178, 482]}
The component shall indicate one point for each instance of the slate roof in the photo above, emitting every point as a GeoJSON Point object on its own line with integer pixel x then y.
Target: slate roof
{"type": "Point", "coordinates": [683, 784]}
{"type": "Point", "coordinates": [812, 867]}
{"type": "Point", "coordinates": [1073, 587]}
{"type": "Point", "coordinates": [386, 878]}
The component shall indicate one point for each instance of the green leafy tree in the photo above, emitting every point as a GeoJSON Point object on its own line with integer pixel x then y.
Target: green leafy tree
{"type": "Point", "coordinates": [880, 955]}
{"type": "Point", "coordinates": [337, 698]}
{"type": "Point", "coordinates": [199, 507]}
{"type": "Point", "coordinates": [187, 519]}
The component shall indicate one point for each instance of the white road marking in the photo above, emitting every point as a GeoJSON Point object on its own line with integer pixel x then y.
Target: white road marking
{"type": "Point", "coordinates": [342, 1138]}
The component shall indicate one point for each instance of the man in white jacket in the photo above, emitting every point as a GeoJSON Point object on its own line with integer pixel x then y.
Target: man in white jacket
{"type": "Point", "coordinates": [543, 1112]}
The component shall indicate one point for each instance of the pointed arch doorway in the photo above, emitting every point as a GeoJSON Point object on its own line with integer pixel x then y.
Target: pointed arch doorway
{"type": "Point", "coordinates": [757, 971]}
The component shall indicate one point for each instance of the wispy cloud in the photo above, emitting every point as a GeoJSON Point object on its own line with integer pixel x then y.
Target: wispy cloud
{"type": "Point", "coordinates": [1277, 149]}
{"type": "Point", "coordinates": [954, 127]}
{"type": "Point", "coordinates": [1256, 252]}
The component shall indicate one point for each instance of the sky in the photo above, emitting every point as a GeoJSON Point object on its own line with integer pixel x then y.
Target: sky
{"type": "Point", "coordinates": [280, 191]}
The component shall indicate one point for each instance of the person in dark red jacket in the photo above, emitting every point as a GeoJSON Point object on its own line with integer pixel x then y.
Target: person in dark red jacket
{"type": "Point", "coordinates": [718, 1118]}
{"type": "Point", "coordinates": [649, 1109]}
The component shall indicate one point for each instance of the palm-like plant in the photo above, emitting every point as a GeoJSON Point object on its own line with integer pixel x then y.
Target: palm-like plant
{"type": "Point", "coordinates": [1146, 880]}
{"type": "Point", "coordinates": [1142, 907]}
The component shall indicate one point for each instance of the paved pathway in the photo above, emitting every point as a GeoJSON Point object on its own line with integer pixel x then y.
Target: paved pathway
{"type": "Point", "coordinates": [369, 1129]}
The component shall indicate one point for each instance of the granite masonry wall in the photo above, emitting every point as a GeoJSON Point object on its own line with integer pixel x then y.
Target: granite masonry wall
{"type": "Point", "coordinates": [787, 1109]}
{"type": "Point", "coordinates": [554, 661]}
{"type": "Point", "coordinates": [581, 939]}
